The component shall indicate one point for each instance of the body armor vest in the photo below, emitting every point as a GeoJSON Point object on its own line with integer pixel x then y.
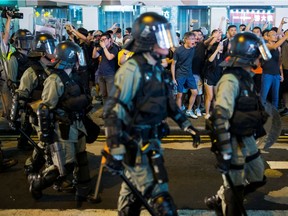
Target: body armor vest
{"type": "Point", "coordinates": [41, 76]}
{"type": "Point", "coordinates": [249, 114]}
{"type": "Point", "coordinates": [23, 63]}
{"type": "Point", "coordinates": [152, 97]}
{"type": "Point", "coordinates": [74, 98]}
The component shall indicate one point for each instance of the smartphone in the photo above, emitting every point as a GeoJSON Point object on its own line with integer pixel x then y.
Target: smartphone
{"type": "Point", "coordinates": [285, 19]}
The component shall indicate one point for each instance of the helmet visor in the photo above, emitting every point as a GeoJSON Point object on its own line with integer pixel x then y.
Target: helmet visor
{"type": "Point", "coordinates": [81, 58]}
{"type": "Point", "coordinates": [25, 43]}
{"type": "Point", "coordinates": [165, 36]}
{"type": "Point", "coordinates": [47, 46]}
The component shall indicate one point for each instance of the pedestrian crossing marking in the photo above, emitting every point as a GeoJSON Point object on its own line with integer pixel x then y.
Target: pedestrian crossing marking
{"type": "Point", "coordinates": [278, 164]}
{"type": "Point", "coordinates": [279, 196]}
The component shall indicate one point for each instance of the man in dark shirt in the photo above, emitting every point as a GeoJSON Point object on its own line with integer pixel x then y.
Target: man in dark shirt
{"type": "Point", "coordinates": [197, 67]}
{"type": "Point", "coordinates": [181, 70]}
{"type": "Point", "coordinates": [108, 65]}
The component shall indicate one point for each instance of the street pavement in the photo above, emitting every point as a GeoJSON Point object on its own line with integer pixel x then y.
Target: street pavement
{"type": "Point", "coordinates": [192, 177]}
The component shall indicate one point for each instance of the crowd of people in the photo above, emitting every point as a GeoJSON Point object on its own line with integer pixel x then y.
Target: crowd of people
{"type": "Point", "coordinates": [142, 76]}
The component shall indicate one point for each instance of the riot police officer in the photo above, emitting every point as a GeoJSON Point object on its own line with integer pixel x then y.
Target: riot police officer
{"type": "Point", "coordinates": [139, 102]}
{"type": "Point", "coordinates": [17, 65]}
{"type": "Point", "coordinates": [237, 118]}
{"type": "Point", "coordinates": [19, 61]}
{"type": "Point", "coordinates": [60, 120]}
{"type": "Point", "coordinates": [30, 90]}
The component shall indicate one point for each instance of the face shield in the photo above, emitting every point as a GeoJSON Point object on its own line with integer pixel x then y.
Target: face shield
{"type": "Point", "coordinates": [46, 46]}
{"type": "Point", "coordinates": [24, 43]}
{"type": "Point", "coordinates": [265, 52]}
{"type": "Point", "coordinates": [165, 36]}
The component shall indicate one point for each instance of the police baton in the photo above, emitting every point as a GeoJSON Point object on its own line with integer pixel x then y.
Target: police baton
{"type": "Point", "coordinates": [37, 148]}
{"type": "Point", "coordinates": [232, 187]}
{"type": "Point", "coordinates": [132, 188]}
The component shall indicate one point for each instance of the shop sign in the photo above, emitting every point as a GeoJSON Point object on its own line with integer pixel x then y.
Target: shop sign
{"type": "Point", "coordinates": [240, 16]}
{"type": "Point", "coordinates": [166, 12]}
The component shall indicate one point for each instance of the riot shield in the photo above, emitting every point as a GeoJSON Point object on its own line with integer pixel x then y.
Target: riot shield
{"type": "Point", "coordinates": [273, 127]}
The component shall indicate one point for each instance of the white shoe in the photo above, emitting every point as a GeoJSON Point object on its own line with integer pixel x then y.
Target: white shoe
{"type": "Point", "coordinates": [198, 112]}
{"type": "Point", "coordinates": [207, 116]}
{"type": "Point", "coordinates": [189, 113]}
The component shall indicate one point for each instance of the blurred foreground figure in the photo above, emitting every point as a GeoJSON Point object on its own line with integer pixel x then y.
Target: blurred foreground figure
{"type": "Point", "coordinates": [134, 118]}
{"type": "Point", "coordinates": [237, 120]}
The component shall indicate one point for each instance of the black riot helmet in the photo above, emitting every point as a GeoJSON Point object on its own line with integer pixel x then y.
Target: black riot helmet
{"type": "Point", "coordinates": [23, 39]}
{"type": "Point", "coordinates": [67, 54]}
{"type": "Point", "coordinates": [245, 49]}
{"type": "Point", "coordinates": [150, 29]}
{"type": "Point", "coordinates": [43, 43]}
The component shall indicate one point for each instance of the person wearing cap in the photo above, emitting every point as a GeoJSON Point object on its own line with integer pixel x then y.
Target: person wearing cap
{"type": "Point", "coordinates": [237, 118]}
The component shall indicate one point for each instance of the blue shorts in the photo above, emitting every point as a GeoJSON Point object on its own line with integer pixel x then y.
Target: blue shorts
{"type": "Point", "coordinates": [186, 83]}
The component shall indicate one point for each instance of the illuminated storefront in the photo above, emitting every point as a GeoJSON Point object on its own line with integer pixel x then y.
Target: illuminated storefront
{"type": "Point", "coordinates": [261, 15]}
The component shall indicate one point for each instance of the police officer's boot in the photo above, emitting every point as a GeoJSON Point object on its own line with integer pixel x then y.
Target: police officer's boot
{"type": "Point", "coordinates": [6, 163]}
{"type": "Point", "coordinates": [163, 204]}
{"type": "Point", "coordinates": [253, 186]}
{"type": "Point", "coordinates": [40, 182]}
{"type": "Point", "coordinates": [214, 203]}
{"type": "Point", "coordinates": [83, 186]}
{"type": "Point", "coordinates": [67, 183]}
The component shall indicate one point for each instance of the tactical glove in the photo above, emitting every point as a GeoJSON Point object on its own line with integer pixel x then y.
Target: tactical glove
{"type": "Point", "coordinates": [195, 135]}
{"type": "Point", "coordinates": [113, 162]}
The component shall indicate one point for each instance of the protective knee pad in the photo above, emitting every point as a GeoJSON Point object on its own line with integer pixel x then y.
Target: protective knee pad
{"type": "Point", "coordinates": [164, 205]}
{"type": "Point", "coordinates": [253, 186]}
{"type": "Point", "coordinates": [232, 207]}
{"type": "Point", "coordinates": [133, 208]}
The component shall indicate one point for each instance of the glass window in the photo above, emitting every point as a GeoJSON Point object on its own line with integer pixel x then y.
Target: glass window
{"type": "Point", "coordinates": [192, 18]}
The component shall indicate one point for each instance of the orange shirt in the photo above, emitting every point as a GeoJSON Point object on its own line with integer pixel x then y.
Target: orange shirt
{"type": "Point", "coordinates": [258, 70]}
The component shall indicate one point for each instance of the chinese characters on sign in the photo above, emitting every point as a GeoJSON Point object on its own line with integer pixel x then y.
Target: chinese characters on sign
{"type": "Point", "coordinates": [243, 16]}
{"type": "Point", "coordinates": [166, 12]}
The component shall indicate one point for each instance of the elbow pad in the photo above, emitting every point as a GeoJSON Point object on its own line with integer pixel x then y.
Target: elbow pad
{"type": "Point", "coordinates": [220, 124]}
{"type": "Point", "coordinates": [113, 132]}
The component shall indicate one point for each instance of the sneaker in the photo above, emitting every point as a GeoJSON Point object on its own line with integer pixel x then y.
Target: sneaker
{"type": "Point", "coordinates": [284, 112]}
{"type": "Point", "coordinates": [189, 113]}
{"type": "Point", "coordinates": [198, 112]}
{"type": "Point", "coordinates": [182, 108]}
{"type": "Point", "coordinates": [207, 116]}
